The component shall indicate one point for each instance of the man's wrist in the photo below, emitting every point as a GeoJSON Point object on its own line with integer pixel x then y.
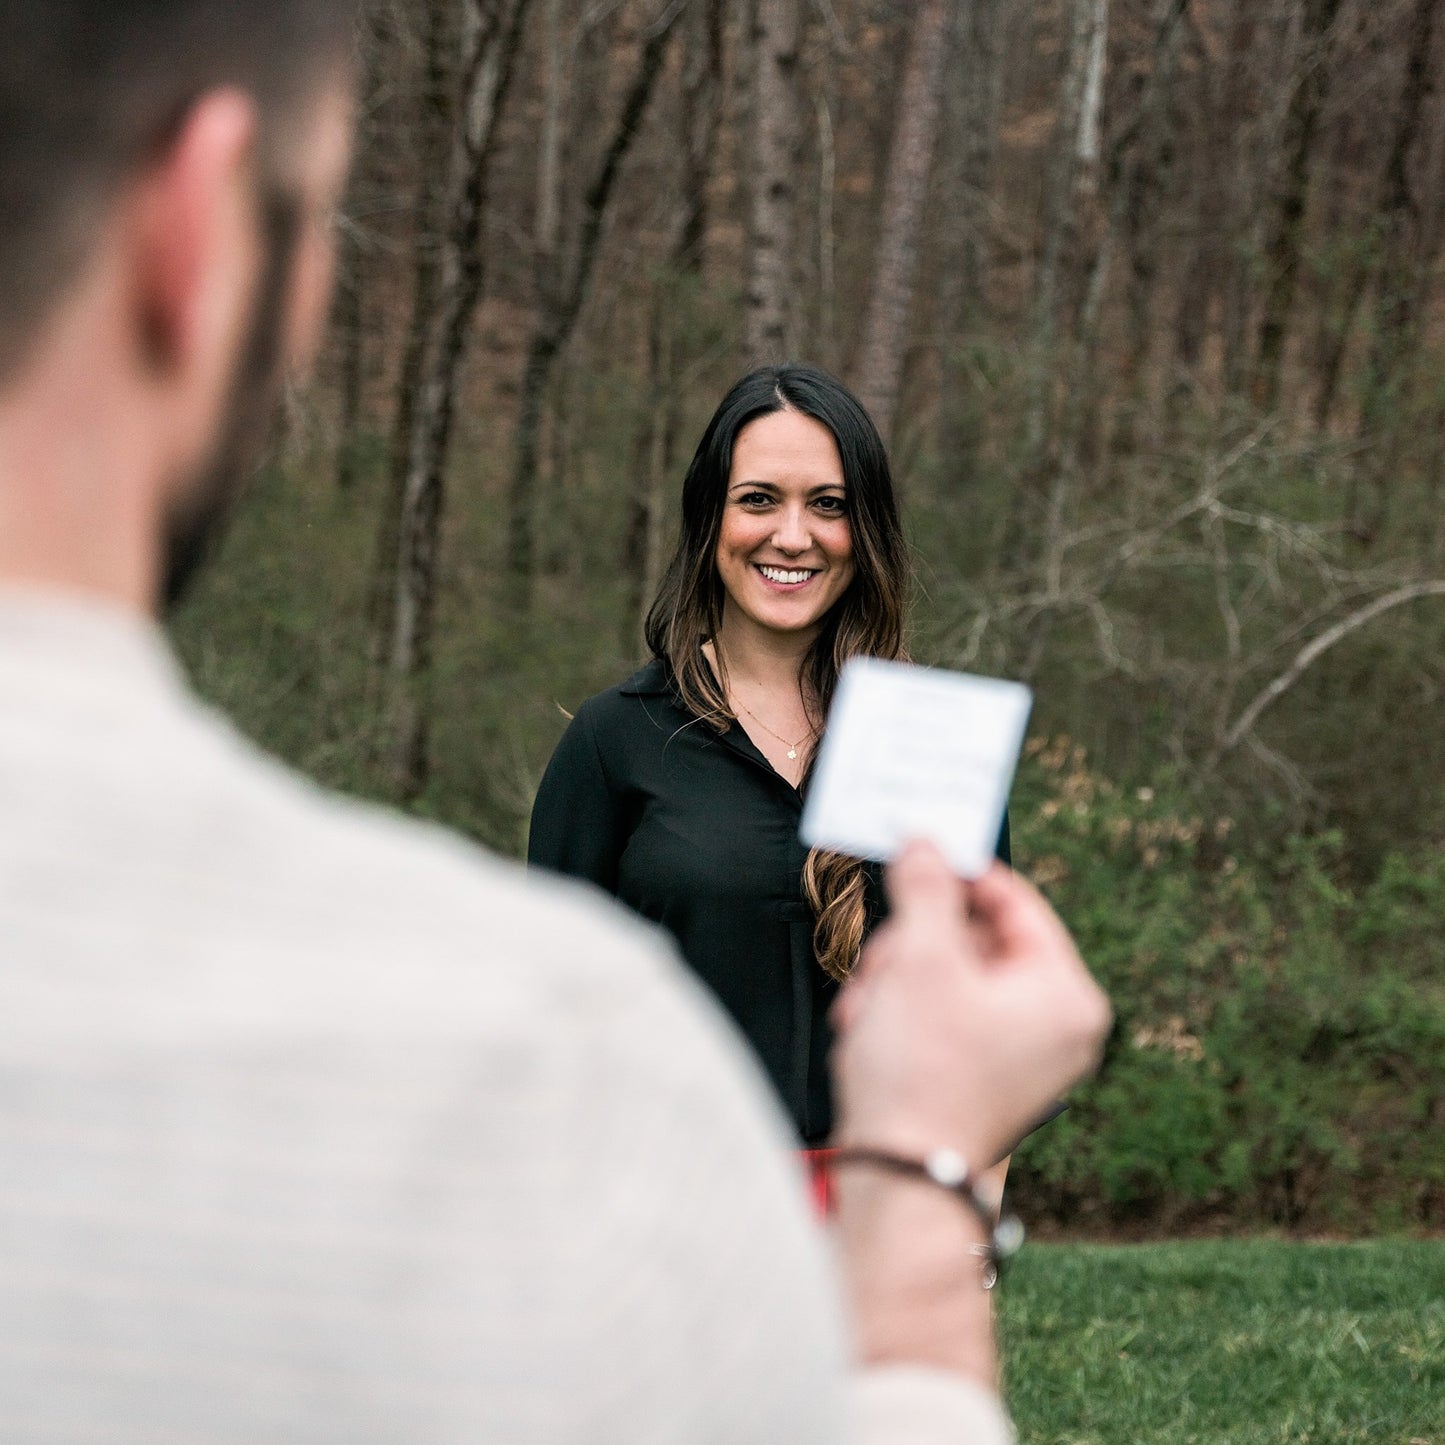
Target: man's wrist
{"type": "Point", "coordinates": [947, 1170]}
{"type": "Point", "coordinates": [911, 1255]}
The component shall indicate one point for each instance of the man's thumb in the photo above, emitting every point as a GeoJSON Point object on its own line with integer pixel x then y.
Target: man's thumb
{"type": "Point", "coordinates": [921, 886]}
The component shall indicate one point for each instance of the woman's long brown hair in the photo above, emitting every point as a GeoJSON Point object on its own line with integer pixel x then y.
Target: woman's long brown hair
{"type": "Point", "coordinates": [867, 621]}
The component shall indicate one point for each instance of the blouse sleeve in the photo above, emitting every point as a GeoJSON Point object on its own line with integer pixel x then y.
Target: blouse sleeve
{"type": "Point", "coordinates": [576, 819]}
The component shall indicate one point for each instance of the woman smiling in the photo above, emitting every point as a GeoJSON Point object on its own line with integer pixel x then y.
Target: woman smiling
{"type": "Point", "coordinates": [681, 790]}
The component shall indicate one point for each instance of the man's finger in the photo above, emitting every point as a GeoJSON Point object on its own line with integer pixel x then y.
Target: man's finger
{"type": "Point", "coordinates": [922, 886]}
{"type": "Point", "coordinates": [1015, 913]}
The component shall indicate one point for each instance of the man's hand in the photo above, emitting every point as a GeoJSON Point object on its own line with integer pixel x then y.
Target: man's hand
{"type": "Point", "coordinates": [970, 1013]}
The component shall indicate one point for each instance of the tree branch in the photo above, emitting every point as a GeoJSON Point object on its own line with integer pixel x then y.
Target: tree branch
{"type": "Point", "coordinates": [1313, 650]}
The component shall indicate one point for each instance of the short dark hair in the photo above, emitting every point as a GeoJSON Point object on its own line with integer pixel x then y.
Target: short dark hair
{"type": "Point", "coordinates": [90, 88]}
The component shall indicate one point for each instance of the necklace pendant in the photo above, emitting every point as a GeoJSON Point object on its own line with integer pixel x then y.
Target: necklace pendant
{"type": "Point", "coordinates": [792, 752]}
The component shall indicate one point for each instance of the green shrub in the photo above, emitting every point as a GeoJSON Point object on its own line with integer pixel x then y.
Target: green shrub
{"type": "Point", "coordinates": [1279, 1051]}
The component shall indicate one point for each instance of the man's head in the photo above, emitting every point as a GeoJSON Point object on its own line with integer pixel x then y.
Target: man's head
{"type": "Point", "coordinates": [167, 169]}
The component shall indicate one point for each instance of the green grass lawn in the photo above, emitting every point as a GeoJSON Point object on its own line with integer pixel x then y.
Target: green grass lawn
{"type": "Point", "coordinates": [1251, 1342]}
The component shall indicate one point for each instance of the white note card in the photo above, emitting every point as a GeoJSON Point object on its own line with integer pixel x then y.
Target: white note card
{"type": "Point", "coordinates": [916, 752]}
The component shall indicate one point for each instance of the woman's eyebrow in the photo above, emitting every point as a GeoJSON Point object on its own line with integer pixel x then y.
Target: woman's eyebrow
{"type": "Point", "coordinates": [746, 486]}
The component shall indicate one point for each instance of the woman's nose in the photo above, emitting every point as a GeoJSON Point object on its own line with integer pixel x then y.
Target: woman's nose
{"type": "Point", "coordinates": [792, 532]}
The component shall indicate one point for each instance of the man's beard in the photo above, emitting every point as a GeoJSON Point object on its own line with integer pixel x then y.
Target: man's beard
{"type": "Point", "coordinates": [197, 519]}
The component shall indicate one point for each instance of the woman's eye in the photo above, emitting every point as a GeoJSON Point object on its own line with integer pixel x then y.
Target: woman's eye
{"type": "Point", "coordinates": [755, 499]}
{"type": "Point", "coordinates": [833, 506]}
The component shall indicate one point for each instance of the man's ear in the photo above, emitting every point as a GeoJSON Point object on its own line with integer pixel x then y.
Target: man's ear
{"type": "Point", "coordinates": [194, 232]}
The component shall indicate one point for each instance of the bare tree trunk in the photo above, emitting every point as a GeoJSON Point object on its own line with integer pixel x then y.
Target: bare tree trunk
{"type": "Point", "coordinates": [347, 325]}
{"type": "Point", "coordinates": [1341, 308]}
{"type": "Point", "coordinates": [982, 106]}
{"type": "Point", "coordinates": [1285, 243]}
{"type": "Point", "coordinates": [349, 317]}
{"type": "Point", "coordinates": [1433, 537]}
{"type": "Point", "coordinates": [547, 236]}
{"type": "Point", "coordinates": [702, 81]}
{"type": "Point", "coordinates": [973, 104]}
{"type": "Point", "coordinates": [1240, 200]}
{"type": "Point", "coordinates": [433, 123]}
{"type": "Point", "coordinates": [1147, 152]}
{"type": "Point", "coordinates": [776, 126]}
{"type": "Point", "coordinates": [491, 34]}
{"type": "Point", "coordinates": [1348, 266]}
{"type": "Point", "coordinates": [670, 350]}
{"type": "Point", "coordinates": [878, 372]}
{"type": "Point", "coordinates": [826, 344]}
{"type": "Point", "coordinates": [560, 304]}
{"type": "Point", "coordinates": [652, 455]}
{"type": "Point", "coordinates": [1071, 181]}
{"type": "Point", "coordinates": [1199, 272]}
{"type": "Point", "coordinates": [1136, 174]}
{"type": "Point", "coordinates": [1037, 511]}
{"type": "Point", "coordinates": [1404, 261]}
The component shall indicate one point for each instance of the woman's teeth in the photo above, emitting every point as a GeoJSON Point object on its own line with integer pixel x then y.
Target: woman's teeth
{"type": "Point", "coordinates": [777, 574]}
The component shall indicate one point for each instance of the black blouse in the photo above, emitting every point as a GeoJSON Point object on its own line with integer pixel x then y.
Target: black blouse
{"type": "Point", "coordinates": [696, 831]}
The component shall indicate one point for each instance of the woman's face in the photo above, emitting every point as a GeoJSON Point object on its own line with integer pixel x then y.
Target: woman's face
{"type": "Point", "coordinates": [785, 548]}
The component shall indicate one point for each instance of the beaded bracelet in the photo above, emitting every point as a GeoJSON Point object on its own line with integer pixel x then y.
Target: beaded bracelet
{"type": "Point", "coordinates": [947, 1169]}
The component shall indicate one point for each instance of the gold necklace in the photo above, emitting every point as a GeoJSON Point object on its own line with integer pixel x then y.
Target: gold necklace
{"type": "Point", "coordinates": [791, 747]}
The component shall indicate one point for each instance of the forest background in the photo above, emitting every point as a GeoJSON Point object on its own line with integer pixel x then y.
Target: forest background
{"type": "Point", "coordinates": [1147, 296]}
